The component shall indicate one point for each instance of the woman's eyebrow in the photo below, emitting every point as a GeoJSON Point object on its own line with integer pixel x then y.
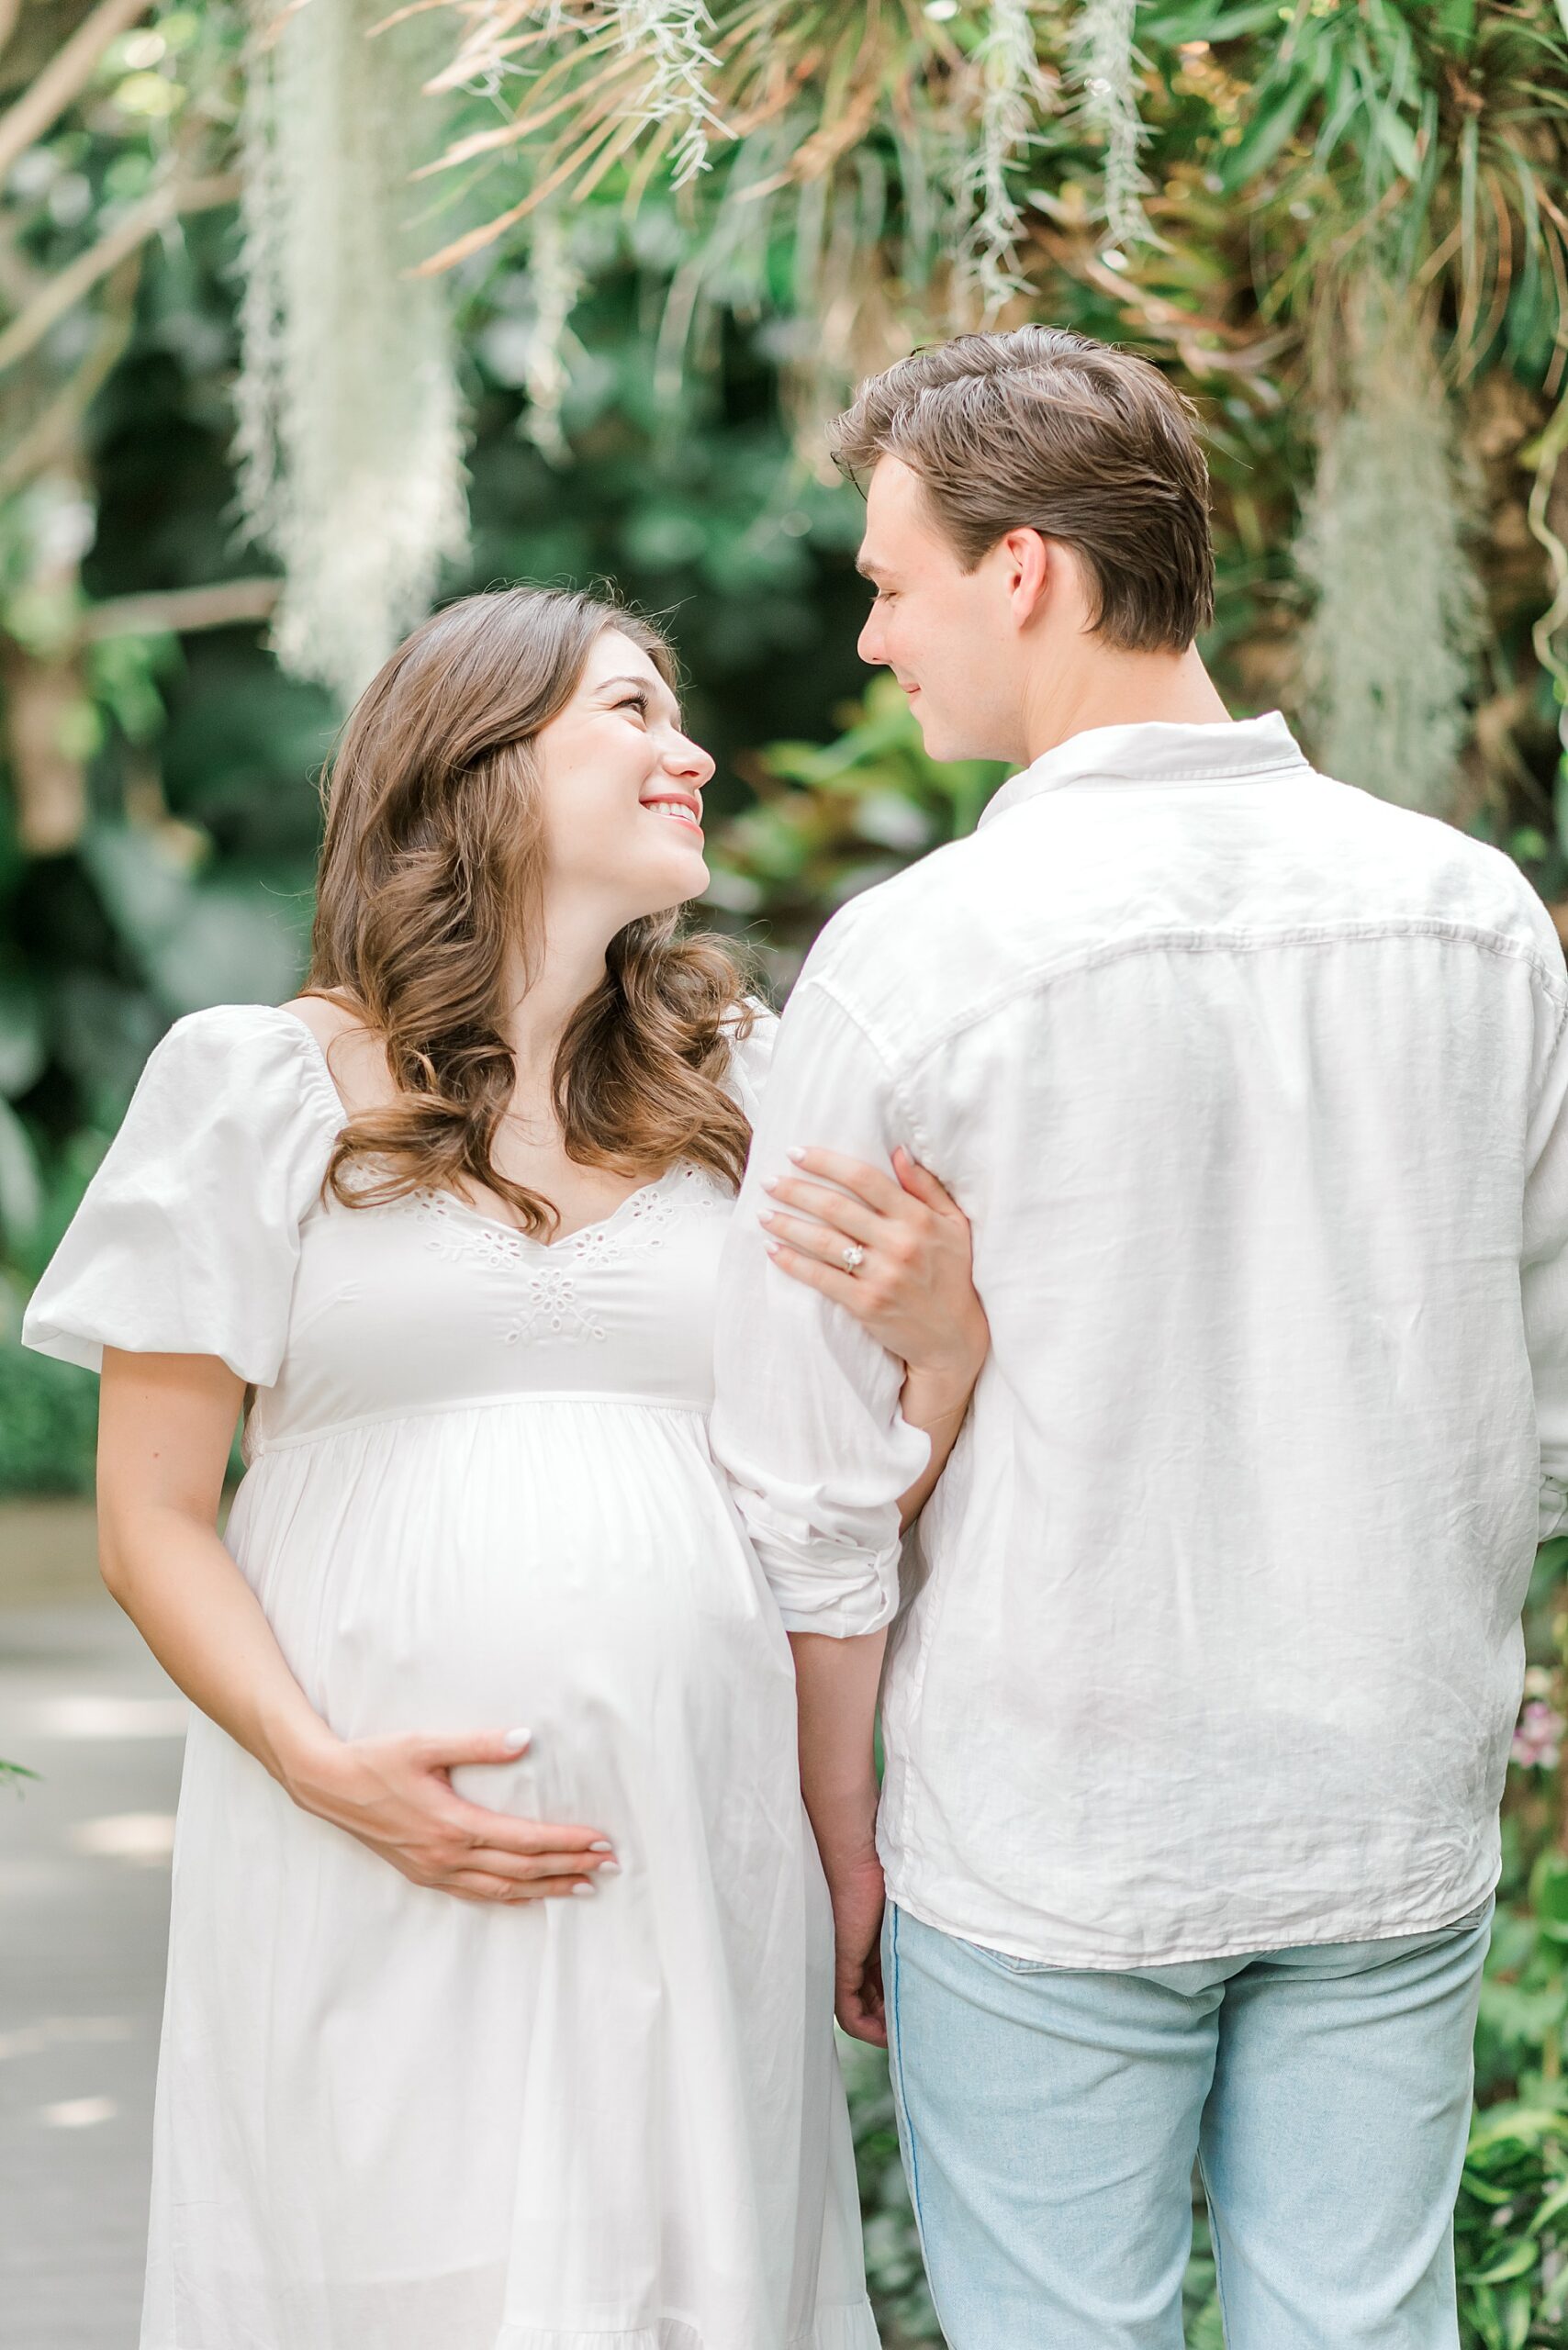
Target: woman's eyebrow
{"type": "Point", "coordinates": [643, 686]}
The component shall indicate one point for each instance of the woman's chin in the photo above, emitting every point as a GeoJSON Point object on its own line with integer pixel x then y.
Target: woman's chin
{"type": "Point", "coordinates": [685, 877]}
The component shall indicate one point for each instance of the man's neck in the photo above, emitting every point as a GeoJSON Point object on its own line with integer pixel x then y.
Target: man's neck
{"type": "Point", "coordinates": [1119, 690]}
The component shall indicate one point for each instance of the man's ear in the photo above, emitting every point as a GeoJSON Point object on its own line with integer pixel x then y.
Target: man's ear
{"type": "Point", "coordinates": [1031, 561]}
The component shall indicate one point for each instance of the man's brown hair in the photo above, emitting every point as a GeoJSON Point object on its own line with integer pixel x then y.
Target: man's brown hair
{"type": "Point", "coordinates": [1047, 431]}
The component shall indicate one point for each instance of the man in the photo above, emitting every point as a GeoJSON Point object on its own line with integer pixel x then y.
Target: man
{"type": "Point", "coordinates": [1196, 1721]}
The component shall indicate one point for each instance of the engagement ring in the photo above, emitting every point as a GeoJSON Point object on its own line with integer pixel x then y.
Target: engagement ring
{"type": "Point", "coordinates": [854, 1257]}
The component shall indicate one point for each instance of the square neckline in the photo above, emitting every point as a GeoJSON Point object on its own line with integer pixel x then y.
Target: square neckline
{"type": "Point", "coordinates": [317, 1055]}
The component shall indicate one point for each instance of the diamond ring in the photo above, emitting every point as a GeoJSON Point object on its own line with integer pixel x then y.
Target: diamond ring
{"type": "Point", "coordinates": [853, 1258]}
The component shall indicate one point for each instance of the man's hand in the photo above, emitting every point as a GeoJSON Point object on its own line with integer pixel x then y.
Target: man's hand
{"type": "Point", "coordinates": [858, 1904]}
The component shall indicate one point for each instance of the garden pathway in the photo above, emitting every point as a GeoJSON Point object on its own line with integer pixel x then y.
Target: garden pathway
{"type": "Point", "coordinates": [84, 1903]}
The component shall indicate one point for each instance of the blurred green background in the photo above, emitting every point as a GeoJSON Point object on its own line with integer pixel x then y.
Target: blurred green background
{"type": "Point", "coordinates": [1339, 224]}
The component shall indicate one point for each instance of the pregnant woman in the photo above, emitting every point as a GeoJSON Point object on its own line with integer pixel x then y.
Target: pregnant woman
{"type": "Point", "coordinates": [499, 1980]}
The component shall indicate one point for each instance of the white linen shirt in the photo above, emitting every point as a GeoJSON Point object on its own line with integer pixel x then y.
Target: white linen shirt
{"type": "Point", "coordinates": [1252, 1087]}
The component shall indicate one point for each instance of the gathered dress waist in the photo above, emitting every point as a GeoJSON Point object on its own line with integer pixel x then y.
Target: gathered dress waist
{"type": "Point", "coordinates": [260, 1443]}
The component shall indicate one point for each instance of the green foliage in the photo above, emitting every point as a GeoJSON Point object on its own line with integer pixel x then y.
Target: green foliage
{"type": "Point", "coordinates": [895, 2273]}
{"type": "Point", "coordinates": [1202, 2320]}
{"type": "Point", "coordinates": [853, 147]}
{"type": "Point", "coordinates": [48, 1419]}
{"type": "Point", "coordinates": [689, 496]}
{"type": "Point", "coordinates": [1511, 2228]}
{"type": "Point", "coordinates": [831, 820]}
{"type": "Point", "coordinates": [1291, 151]}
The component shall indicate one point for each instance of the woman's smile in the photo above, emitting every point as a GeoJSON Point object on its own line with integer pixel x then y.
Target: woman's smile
{"type": "Point", "coordinates": [683, 806]}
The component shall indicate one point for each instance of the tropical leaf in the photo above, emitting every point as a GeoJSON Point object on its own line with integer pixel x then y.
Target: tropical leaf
{"type": "Point", "coordinates": [21, 1190]}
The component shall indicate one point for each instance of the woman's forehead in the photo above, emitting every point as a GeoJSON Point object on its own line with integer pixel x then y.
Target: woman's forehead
{"type": "Point", "coordinates": [615, 656]}
{"type": "Point", "coordinates": [616, 659]}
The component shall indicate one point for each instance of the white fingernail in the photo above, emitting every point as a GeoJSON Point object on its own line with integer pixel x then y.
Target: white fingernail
{"type": "Point", "coordinates": [797, 1156]}
{"type": "Point", "coordinates": [603, 1845]}
{"type": "Point", "coordinates": [516, 1740]}
{"type": "Point", "coordinates": [608, 1868]}
{"type": "Point", "coordinates": [586, 1888]}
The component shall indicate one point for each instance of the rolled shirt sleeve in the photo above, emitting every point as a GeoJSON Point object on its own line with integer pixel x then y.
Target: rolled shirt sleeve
{"type": "Point", "coordinates": [1543, 1276]}
{"type": "Point", "coordinates": [806, 1419]}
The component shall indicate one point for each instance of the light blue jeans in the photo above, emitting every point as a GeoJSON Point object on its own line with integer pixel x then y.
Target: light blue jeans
{"type": "Point", "coordinates": [1049, 2118]}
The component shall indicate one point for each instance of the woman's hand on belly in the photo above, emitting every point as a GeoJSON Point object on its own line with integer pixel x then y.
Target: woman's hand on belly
{"type": "Point", "coordinates": [396, 1795]}
{"type": "Point", "coordinates": [165, 1421]}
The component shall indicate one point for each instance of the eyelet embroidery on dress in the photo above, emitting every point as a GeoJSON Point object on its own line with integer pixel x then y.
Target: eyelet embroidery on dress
{"type": "Point", "coordinates": [550, 1305]}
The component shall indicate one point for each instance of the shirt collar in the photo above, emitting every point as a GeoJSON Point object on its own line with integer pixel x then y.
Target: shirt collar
{"type": "Point", "coordinates": [1152, 751]}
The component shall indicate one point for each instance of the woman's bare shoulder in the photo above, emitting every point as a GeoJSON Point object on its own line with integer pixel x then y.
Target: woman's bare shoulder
{"type": "Point", "coordinates": [327, 1017]}
{"type": "Point", "coordinates": [352, 1051]}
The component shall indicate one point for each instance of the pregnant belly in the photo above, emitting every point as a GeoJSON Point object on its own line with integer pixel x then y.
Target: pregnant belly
{"type": "Point", "coordinates": [567, 1566]}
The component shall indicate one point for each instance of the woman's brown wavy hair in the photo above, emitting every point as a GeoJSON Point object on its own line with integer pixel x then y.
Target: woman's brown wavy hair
{"type": "Point", "coordinates": [431, 871]}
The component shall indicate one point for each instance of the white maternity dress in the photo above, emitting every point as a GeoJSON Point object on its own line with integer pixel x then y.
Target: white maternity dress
{"type": "Point", "coordinates": [479, 1497]}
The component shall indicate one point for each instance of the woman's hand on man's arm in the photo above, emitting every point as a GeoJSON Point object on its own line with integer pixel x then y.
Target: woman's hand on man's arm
{"type": "Point", "coordinates": [897, 1256]}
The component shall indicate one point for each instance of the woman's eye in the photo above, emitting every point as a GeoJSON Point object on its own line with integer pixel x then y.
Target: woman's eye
{"type": "Point", "coordinates": [638, 702]}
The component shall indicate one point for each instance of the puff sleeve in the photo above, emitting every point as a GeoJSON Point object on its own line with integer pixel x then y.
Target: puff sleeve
{"type": "Point", "coordinates": [187, 1239]}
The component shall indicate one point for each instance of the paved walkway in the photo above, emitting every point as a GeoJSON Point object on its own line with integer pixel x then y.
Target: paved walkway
{"type": "Point", "coordinates": [84, 1909]}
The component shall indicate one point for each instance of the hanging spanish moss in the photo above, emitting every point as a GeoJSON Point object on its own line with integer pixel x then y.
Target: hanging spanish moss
{"type": "Point", "coordinates": [1016, 95]}
{"type": "Point", "coordinates": [1550, 452]}
{"type": "Point", "coordinates": [350, 439]}
{"type": "Point", "coordinates": [671, 35]}
{"type": "Point", "coordinates": [1388, 656]}
{"type": "Point", "coordinates": [1105, 57]}
{"type": "Point", "coordinates": [556, 285]}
